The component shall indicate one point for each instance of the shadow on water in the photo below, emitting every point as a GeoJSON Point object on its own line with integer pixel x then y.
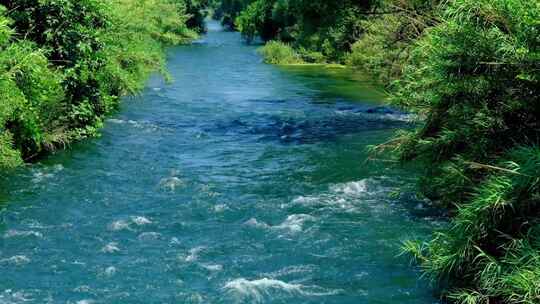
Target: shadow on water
{"type": "Point", "coordinates": [337, 83]}
{"type": "Point", "coordinates": [329, 124]}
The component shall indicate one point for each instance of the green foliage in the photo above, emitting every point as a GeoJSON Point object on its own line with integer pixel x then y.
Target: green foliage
{"type": "Point", "coordinates": [275, 52]}
{"type": "Point", "coordinates": [388, 38]}
{"type": "Point", "coordinates": [474, 79]}
{"type": "Point", "coordinates": [196, 10]}
{"type": "Point", "coordinates": [30, 94]}
{"type": "Point", "coordinates": [250, 19]}
{"type": "Point", "coordinates": [228, 10]}
{"type": "Point", "coordinates": [65, 63]}
{"type": "Point", "coordinates": [9, 157]}
{"type": "Point", "coordinates": [327, 28]}
{"type": "Point", "coordinates": [475, 76]}
{"type": "Point", "coordinates": [492, 248]}
{"type": "Point", "coordinates": [259, 19]}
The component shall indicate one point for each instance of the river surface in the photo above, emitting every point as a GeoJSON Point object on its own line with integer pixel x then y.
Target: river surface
{"type": "Point", "coordinates": [238, 182]}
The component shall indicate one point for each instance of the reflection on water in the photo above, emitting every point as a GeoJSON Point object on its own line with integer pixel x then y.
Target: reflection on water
{"type": "Point", "coordinates": [337, 82]}
{"type": "Point", "coordinates": [238, 183]}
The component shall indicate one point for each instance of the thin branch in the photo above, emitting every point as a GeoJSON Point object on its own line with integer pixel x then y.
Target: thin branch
{"type": "Point", "coordinates": [476, 165]}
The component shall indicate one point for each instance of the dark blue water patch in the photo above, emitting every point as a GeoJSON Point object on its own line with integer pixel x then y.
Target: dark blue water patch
{"type": "Point", "coordinates": [305, 131]}
{"type": "Point", "coordinates": [269, 100]}
{"type": "Point", "coordinates": [311, 128]}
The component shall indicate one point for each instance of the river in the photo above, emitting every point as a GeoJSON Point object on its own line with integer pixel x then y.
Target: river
{"type": "Point", "coordinates": [238, 182]}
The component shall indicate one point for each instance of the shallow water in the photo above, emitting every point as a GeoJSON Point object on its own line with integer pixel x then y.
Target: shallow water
{"type": "Point", "coordinates": [237, 183]}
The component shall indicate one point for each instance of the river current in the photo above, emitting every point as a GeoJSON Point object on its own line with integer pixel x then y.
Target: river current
{"type": "Point", "coordinates": [237, 182]}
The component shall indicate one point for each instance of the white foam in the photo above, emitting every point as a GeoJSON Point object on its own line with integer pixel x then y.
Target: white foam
{"type": "Point", "coordinates": [253, 222]}
{"type": "Point", "coordinates": [344, 197]}
{"type": "Point", "coordinates": [256, 291]}
{"type": "Point", "coordinates": [17, 233]}
{"type": "Point", "coordinates": [351, 188]}
{"type": "Point", "coordinates": [9, 296]}
{"type": "Point", "coordinates": [212, 267]}
{"type": "Point", "coordinates": [305, 200]}
{"type": "Point", "coordinates": [196, 298]}
{"type": "Point", "coordinates": [39, 176]}
{"type": "Point", "coordinates": [220, 208]}
{"type": "Point", "coordinates": [86, 301]}
{"type": "Point", "coordinates": [149, 236]}
{"type": "Point", "coordinates": [362, 274]}
{"type": "Point", "coordinates": [401, 117]}
{"type": "Point", "coordinates": [110, 271]}
{"type": "Point", "coordinates": [174, 241]}
{"type": "Point", "coordinates": [140, 220]}
{"type": "Point", "coordinates": [16, 260]}
{"type": "Point", "coordinates": [194, 253]}
{"type": "Point", "coordinates": [58, 167]}
{"type": "Point", "coordinates": [110, 248]}
{"type": "Point", "coordinates": [82, 288]}
{"type": "Point", "coordinates": [116, 121]}
{"type": "Point", "coordinates": [171, 183]}
{"type": "Point", "coordinates": [119, 225]}
{"type": "Point", "coordinates": [295, 222]}
{"type": "Point", "coordinates": [292, 270]}
{"type": "Point", "coordinates": [134, 123]}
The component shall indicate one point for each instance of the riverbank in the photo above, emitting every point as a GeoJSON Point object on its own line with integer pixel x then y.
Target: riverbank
{"type": "Point", "coordinates": [64, 66]}
{"type": "Point", "coordinates": [470, 70]}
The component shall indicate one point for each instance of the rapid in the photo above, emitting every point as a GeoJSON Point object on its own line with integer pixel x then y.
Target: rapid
{"type": "Point", "coordinates": [237, 182]}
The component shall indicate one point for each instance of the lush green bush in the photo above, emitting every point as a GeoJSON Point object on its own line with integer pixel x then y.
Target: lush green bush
{"type": "Point", "coordinates": [475, 80]}
{"type": "Point", "coordinates": [491, 252]}
{"type": "Point", "coordinates": [276, 52]}
{"type": "Point", "coordinates": [327, 28]}
{"type": "Point", "coordinates": [31, 97]}
{"type": "Point", "coordinates": [388, 37]}
{"type": "Point", "coordinates": [228, 10]}
{"type": "Point", "coordinates": [267, 19]}
{"type": "Point", "coordinates": [64, 64]}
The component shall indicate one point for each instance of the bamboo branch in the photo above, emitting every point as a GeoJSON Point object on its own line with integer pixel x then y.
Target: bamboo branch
{"type": "Point", "coordinates": [476, 165]}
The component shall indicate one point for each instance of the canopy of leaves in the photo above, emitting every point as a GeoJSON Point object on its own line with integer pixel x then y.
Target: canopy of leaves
{"type": "Point", "coordinates": [65, 63]}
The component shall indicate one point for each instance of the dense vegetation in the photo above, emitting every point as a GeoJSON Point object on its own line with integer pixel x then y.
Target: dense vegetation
{"type": "Point", "coordinates": [470, 70]}
{"type": "Point", "coordinates": [64, 64]}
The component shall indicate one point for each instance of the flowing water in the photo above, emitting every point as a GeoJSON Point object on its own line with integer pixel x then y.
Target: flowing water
{"type": "Point", "coordinates": [239, 182]}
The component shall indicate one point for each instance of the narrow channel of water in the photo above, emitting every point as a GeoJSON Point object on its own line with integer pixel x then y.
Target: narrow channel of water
{"type": "Point", "coordinates": [239, 182]}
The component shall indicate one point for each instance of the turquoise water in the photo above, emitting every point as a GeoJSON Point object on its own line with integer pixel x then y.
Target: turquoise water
{"type": "Point", "coordinates": [239, 182]}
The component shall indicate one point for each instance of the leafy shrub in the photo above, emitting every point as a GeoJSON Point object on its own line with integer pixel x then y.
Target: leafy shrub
{"type": "Point", "coordinates": [65, 63]}
{"type": "Point", "coordinates": [275, 52]}
{"type": "Point", "coordinates": [311, 56]}
{"type": "Point", "coordinates": [30, 92]}
{"type": "Point", "coordinates": [491, 252]}
{"type": "Point", "coordinates": [475, 76]}
{"type": "Point", "coordinates": [475, 79]}
{"type": "Point", "coordinates": [228, 10]}
{"type": "Point", "coordinates": [322, 27]}
{"type": "Point", "coordinates": [387, 39]}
